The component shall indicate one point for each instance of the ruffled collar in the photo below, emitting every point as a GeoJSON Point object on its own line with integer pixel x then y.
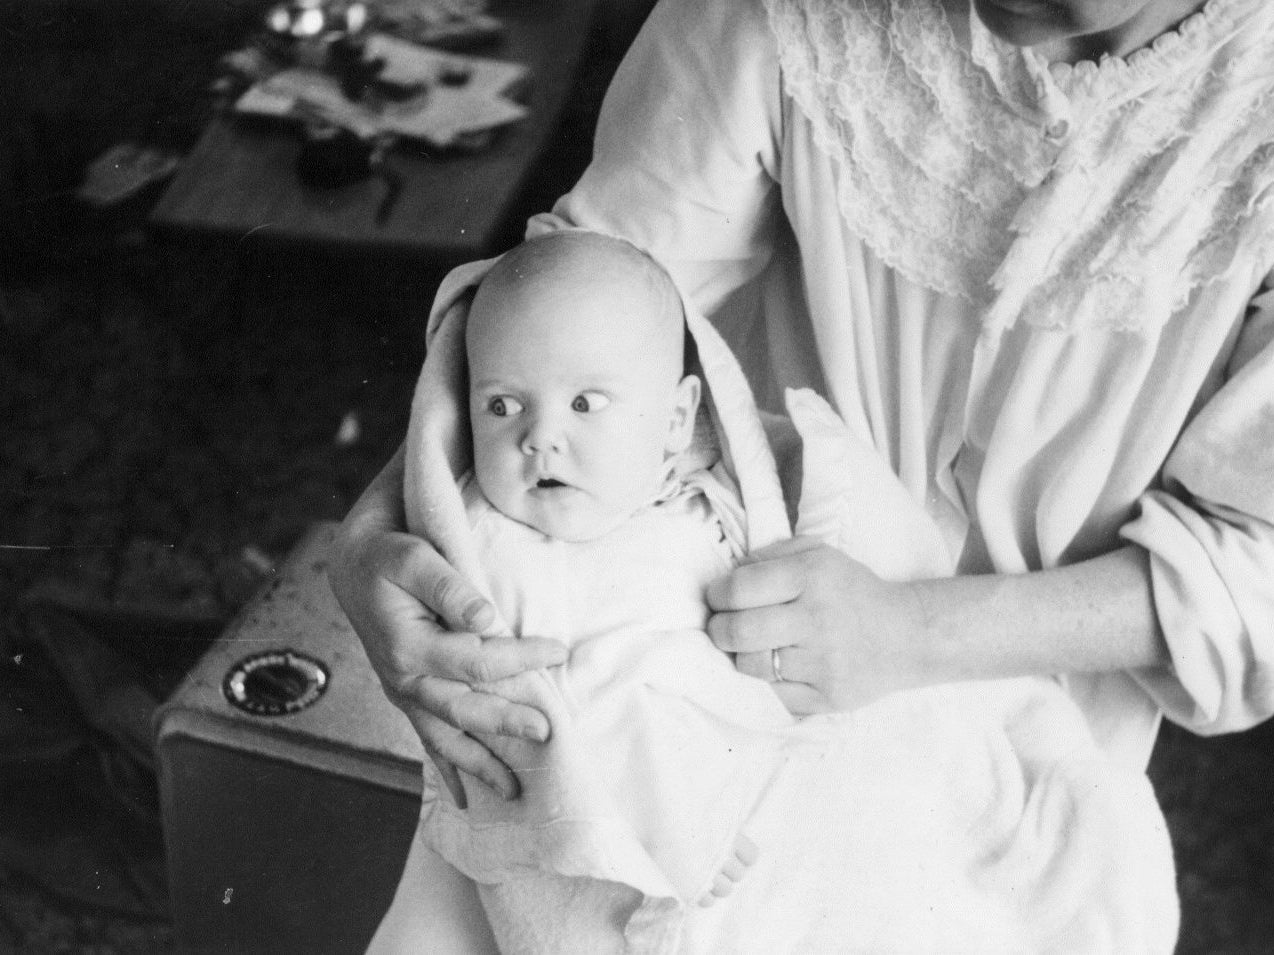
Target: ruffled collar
{"type": "Point", "coordinates": [1042, 193]}
{"type": "Point", "coordinates": [1057, 89]}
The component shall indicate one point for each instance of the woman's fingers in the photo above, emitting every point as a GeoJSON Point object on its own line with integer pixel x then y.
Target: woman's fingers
{"type": "Point", "coordinates": [801, 699]}
{"type": "Point", "coordinates": [760, 584]}
{"type": "Point", "coordinates": [422, 664]}
{"type": "Point", "coordinates": [473, 711]}
{"type": "Point", "coordinates": [771, 575]}
{"type": "Point", "coordinates": [450, 778]}
{"type": "Point", "coordinates": [801, 670]}
{"type": "Point", "coordinates": [425, 574]}
{"type": "Point", "coordinates": [761, 628]}
{"type": "Point", "coordinates": [796, 665]}
{"type": "Point", "coordinates": [411, 649]}
{"type": "Point", "coordinates": [452, 751]}
{"type": "Point", "coordinates": [467, 658]}
{"type": "Point", "coordinates": [783, 548]}
{"type": "Point", "coordinates": [395, 588]}
{"type": "Point", "coordinates": [843, 636]}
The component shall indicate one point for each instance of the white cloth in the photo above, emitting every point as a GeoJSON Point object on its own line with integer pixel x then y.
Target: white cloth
{"type": "Point", "coordinates": [1027, 286]}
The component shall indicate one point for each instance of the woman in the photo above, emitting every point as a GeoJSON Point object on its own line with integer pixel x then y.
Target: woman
{"type": "Point", "coordinates": [1026, 247]}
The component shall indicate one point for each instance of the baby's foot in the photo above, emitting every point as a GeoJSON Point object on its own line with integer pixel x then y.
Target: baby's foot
{"type": "Point", "coordinates": [732, 873]}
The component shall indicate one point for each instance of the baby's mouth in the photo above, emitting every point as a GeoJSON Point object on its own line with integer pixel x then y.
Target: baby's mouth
{"type": "Point", "coordinates": [549, 483]}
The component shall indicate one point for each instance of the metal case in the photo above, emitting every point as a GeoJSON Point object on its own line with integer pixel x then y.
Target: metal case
{"type": "Point", "coordinates": [287, 833]}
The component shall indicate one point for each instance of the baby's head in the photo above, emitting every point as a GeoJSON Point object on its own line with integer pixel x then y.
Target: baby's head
{"type": "Point", "coordinates": [577, 392]}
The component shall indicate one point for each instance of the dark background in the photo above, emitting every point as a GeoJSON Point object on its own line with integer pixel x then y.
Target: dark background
{"type": "Point", "coordinates": [168, 428]}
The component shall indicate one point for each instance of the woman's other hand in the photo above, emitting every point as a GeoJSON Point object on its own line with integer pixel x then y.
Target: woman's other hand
{"type": "Point", "coordinates": [842, 636]}
{"type": "Point", "coordinates": [420, 623]}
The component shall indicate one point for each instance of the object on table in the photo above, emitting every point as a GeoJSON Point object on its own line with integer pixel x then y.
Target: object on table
{"type": "Point", "coordinates": [391, 177]}
{"type": "Point", "coordinates": [305, 32]}
{"type": "Point", "coordinates": [250, 63]}
{"type": "Point", "coordinates": [303, 19]}
{"type": "Point", "coordinates": [358, 74]}
{"type": "Point", "coordinates": [332, 157]}
{"type": "Point", "coordinates": [447, 114]}
{"type": "Point", "coordinates": [447, 24]}
{"type": "Point", "coordinates": [122, 171]}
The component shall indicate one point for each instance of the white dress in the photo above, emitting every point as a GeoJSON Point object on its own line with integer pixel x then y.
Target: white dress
{"type": "Point", "coordinates": [1042, 290]}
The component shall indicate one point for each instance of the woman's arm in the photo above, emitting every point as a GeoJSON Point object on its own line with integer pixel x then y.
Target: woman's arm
{"type": "Point", "coordinates": [687, 149]}
{"type": "Point", "coordinates": [1210, 535]}
{"type": "Point", "coordinates": [1187, 609]}
{"type": "Point", "coordinates": [852, 637]}
{"type": "Point", "coordinates": [386, 580]}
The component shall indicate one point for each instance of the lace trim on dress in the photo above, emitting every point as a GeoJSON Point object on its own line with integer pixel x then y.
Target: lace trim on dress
{"type": "Point", "coordinates": [1067, 197]}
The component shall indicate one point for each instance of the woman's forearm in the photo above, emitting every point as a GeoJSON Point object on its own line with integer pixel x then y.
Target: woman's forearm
{"type": "Point", "coordinates": [1093, 616]}
{"type": "Point", "coordinates": [846, 637]}
{"type": "Point", "coordinates": [380, 506]}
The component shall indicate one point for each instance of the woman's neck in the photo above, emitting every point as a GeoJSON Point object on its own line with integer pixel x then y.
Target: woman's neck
{"type": "Point", "coordinates": [1152, 20]}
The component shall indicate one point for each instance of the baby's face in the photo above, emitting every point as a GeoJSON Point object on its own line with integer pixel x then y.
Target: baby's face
{"type": "Point", "coordinates": [576, 401]}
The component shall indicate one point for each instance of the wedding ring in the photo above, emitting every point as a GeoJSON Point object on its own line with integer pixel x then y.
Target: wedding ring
{"type": "Point", "coordinates": [776, 666]}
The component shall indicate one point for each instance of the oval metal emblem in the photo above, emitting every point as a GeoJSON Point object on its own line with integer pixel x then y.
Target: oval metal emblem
{"type": "Point", "coordinates": [275, 683]}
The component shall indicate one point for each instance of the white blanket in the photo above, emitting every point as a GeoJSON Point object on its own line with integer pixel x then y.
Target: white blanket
{"type": "Point", "coordinates": [976, 817]}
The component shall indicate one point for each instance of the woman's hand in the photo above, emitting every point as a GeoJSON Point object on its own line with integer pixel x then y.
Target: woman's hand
{"type": "Point", "coordinates": [843, 637]}
{"type": "Point", "coordinates": [395, 588]}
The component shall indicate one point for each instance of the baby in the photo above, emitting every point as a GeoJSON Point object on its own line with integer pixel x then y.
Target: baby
{"type": "Point", "coordinates": [597, 525]}
{"type": "Point", "coordinates": [677, 806]}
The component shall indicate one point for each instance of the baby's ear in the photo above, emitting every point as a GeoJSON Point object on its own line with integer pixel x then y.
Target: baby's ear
{"type": "Point", "coordinates": [681, 426]}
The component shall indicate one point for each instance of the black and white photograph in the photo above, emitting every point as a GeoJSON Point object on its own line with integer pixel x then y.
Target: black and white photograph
{"type": "Point", "coordinates": [636, 477]}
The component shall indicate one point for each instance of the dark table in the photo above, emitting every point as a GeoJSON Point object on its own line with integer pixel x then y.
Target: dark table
{"type": "Point", "coordinates": [239, 182]}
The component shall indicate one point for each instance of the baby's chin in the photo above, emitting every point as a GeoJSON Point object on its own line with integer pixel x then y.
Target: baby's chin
{"type": "Point", "coordinates": [563, 512]}
{"type": "Point", "coordinates": [574, 522]}
{"type": "Point", "coordinates": [574, 529]}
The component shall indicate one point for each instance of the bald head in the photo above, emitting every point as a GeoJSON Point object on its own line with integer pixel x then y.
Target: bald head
{"type": "Point", "coordinates": [633, 295]}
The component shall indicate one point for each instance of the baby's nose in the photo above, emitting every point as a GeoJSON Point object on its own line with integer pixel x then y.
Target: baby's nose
{"type": "Point", "coordinates": [543, 434]}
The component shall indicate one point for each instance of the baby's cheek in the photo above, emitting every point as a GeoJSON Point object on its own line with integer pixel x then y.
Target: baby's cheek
{"type": "Point", "coordinates": [493, 481]}
{"type": "Point", "coordinates": [631, 490]}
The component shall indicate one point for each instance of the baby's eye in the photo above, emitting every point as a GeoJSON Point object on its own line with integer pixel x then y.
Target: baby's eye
{"type": "Point", "coordinates": [589, 401]}
{"type": "Point", "coordinates": [502, 406]}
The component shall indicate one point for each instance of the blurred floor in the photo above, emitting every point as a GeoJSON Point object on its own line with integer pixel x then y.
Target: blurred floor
{"type": "Point", "coordinates": [1218, 796]}
{"type": "Point", "coordinates": [165, 443]}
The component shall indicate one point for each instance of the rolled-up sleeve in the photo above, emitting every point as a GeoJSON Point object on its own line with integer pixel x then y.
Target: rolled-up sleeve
{"type": "Point", "coordinates": [1210, 535]}
{"type": "Point", "coordinates": [686, 148]}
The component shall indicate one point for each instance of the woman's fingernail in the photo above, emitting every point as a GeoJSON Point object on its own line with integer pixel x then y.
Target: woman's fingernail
{"type": "Point", "coordinates": [530, 729]}
{"type": "Point", "coordinates": [475, 615]}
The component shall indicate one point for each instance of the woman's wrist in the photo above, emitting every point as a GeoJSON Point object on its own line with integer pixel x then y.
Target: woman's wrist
{"type": "Point", "coordinates": [1093, 616]}
{"type": "Point", "coordinates": [379, 509]}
